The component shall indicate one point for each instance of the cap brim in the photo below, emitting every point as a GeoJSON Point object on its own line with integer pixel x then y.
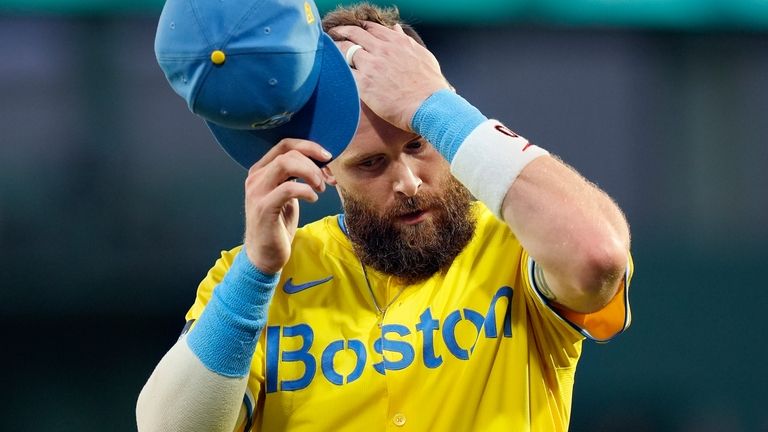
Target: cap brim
{"type": "Point", "coordinates": [329, 118]}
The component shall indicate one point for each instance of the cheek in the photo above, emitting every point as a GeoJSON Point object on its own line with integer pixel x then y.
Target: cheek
{"type": "Point", "coordinates": [434, 170]}
{"type": "Point", "coordinates": [375, 193]}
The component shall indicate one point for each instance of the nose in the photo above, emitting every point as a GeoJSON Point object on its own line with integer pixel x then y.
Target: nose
{"type": "Point", "coordinates": [406, 181]}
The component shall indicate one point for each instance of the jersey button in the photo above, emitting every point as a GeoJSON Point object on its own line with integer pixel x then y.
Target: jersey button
{"type": "Point", "coordinates": [398, 419]}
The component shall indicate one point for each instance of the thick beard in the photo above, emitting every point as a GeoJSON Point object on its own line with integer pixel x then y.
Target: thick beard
{"type": "Point", "coordinates": [412, 253]}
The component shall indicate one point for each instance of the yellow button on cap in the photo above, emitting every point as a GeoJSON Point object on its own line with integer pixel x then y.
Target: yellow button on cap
{"type": "Point", "coordinates": [398, 419]}
{"type": "Point", "coordinates": [218, 57]}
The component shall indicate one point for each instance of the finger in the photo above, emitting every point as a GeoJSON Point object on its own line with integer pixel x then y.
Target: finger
{"type": "Point", "coordinates": [359, 36]}
{"type": "Point", "coordinates": [399, 29]}
{"type": "Point", "coordinates": [275, 201]}
{"type": "Point", "coordinates": [380, 31]}
{"type": "Point", "coordinates": [287, 191]}
{"type": "Point", "coordinates": [310, 149]}
{"type": "Point", "coordinates": [345, 48]}
{"type": "Point", "coordinates": [291, 165]}
{"type": "Point", "coordinates": [336, 34]}
{"type": "Point", "coordinates": [344, 45]}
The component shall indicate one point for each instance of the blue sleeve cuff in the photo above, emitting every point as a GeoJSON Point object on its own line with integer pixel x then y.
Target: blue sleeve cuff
{"type": "Point", "coordinates": [445, 119]}
{"type": "Point", "coordinates": [225, 336]}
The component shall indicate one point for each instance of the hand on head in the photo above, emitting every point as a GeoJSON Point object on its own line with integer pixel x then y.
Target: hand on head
{"type": "Point", "coordinates": [394, 74]}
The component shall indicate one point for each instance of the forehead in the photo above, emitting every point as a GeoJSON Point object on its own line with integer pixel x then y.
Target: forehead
{"type": "Point", "coordinates": [375, 135]}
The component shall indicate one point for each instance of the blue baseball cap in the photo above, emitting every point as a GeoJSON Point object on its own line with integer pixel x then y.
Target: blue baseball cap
{"type": "Point", "coordinates": [258, 71]}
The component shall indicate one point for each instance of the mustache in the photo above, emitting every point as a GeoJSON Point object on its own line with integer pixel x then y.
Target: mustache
{"type": "Point", "coordinates": [408, 205]}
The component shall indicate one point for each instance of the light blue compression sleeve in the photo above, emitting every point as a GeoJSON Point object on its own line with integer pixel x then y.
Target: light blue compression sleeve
{"type": "Point", "coordinates": [445, 119]}
{"type": "Point", "coordinates": [224, 337]}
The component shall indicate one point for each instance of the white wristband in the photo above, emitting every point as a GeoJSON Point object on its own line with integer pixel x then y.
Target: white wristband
{"type": "Point", "coordinates": [490, 159]}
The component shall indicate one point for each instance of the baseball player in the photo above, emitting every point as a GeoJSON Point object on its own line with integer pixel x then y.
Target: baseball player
{"type": "Point", "coordinates": [453, 293]}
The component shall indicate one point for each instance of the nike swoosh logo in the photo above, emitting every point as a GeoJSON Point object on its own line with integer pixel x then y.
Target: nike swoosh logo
{"type": "Point", "coordinates": [290, 288]}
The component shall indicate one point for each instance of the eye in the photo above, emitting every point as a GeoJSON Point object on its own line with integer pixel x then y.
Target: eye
{"type": "Point", "coordinates": [371, 164]}
{"type": "Point", "coordinates": [414, 145]}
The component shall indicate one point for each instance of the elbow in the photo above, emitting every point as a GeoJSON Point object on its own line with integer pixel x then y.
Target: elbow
{"type": "Point", "coordinates": [601, 270]}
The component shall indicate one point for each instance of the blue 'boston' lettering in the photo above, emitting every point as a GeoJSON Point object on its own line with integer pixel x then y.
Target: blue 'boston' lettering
{"type": "Point", "coordinates": [428, 325]}
{"type": "Point", "coordinates": [490, 317]}
{"type": "Point", "coordinates": [327, 361]}
{"type": "Point", "coordinates": [449, 332]}
{"type": "Point", "coordinates": [300, 355]}
{"type": "Point", "coordinates": [387, 345]}
{"type": "Point", "coordinates": [383, 344]}
{"type": "Point", "coordinates": [273, 357]}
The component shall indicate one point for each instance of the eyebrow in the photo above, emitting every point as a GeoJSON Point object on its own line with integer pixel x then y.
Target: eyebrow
{"type": "Point", "coordinates": [357, 158]}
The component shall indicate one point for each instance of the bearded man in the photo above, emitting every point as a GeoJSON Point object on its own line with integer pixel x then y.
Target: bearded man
{"type": "Point", "coordinates": [418, 308]}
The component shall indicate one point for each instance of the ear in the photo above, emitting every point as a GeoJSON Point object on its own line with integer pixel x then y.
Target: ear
{"type": "Point", "coordinates": [328, 175]}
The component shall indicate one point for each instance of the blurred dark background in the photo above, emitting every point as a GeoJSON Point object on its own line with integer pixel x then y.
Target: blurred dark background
{"type": "Point", "coordinates": [115, 200]}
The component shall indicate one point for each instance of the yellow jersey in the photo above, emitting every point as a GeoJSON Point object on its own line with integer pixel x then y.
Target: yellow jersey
{"type": "Point", "coordinates": [473, 348]}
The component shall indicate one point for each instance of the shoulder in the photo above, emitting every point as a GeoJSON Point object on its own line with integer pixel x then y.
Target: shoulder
{"type": "Point", "coordinates": [494, 253]}
{"type": "Point", "coordinates": [315, 236]}
{"type": "Point", "coordinates": [491, 233]}
{"type": "Point", "coordinates": [320, 241]}
{"type": "Point", "coordinates": [214, 276]}
{"type": "Point", "coordinates": [308, 238]}
{"type": "Point", "coordinates": [318, 230]}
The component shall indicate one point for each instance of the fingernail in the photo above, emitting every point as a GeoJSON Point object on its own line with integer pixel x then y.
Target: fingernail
{"type": "Point", "coordinates": [326, 154]}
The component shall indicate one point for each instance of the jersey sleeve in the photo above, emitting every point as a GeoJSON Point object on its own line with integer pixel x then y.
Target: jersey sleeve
{"type": "Point", "coordinates": [205, 289]}
{"type": "Point", "coordinates": [248, 417]}
{"type": "Point", "coordinates": [600, 326]}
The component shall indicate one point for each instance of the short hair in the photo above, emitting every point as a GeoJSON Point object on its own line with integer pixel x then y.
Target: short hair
{"type": "Point", "coordinates": [358, 13]}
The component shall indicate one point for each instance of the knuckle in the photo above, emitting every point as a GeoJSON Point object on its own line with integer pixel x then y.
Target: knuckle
{"type": "Point", "coordinates": [286, 145]}
{"type": "Point", "coordinates": [280, 162]}
{"type": "Point", "coordinates": [303, 190]}
{"type": "Point", "coordinates": [283, 144]}
{"type": "Point", "coordinates": [284, 187]}
{"type": "Point", "coordinates": [252, 182]}
{"type": "Point", "coordinates": [366, 81]}
{"type": "Point", "coordinates": [256, 166]}
{"type": "Point", "coordinates": [286, 192]}
{"type": "Point", "coordinates": [294, 153]}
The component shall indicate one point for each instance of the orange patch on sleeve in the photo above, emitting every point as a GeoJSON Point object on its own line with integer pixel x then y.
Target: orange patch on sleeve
{"type": "Point", "coordinates": [605, 323]}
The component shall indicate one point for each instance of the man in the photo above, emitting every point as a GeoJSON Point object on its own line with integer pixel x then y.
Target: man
{"type": "Point", "coordinates": [417, 309]}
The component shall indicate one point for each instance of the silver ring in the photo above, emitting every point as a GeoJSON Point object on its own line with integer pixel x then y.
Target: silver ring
{"type": "Point", "coordinates": [349, 56]}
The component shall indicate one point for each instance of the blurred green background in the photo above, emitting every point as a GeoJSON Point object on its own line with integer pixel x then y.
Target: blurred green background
{"type": "Point", "coordinates": [655, 13]}
{"type": "Point", "coordinates": [115, 200]}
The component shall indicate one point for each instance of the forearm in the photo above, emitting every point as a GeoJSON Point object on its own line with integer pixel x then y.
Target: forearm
{"type": "Point", "coordinates": [574, 231]}
{"type": "Point", "coordinates": [183, 395]}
